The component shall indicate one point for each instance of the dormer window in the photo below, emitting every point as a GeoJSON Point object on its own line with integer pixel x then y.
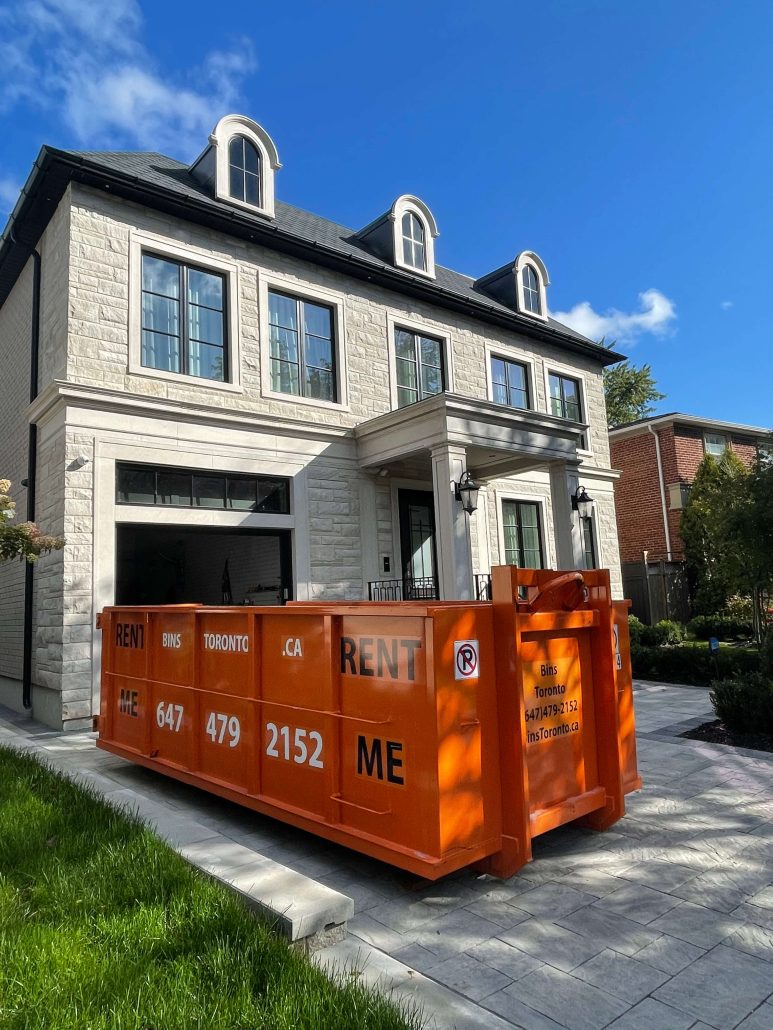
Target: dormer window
{"type": "Point", "coordinates": [244, 171]}
{"type": "Point", "coordinates": [414, 253]}
{"type": "Point", "coordinates": [238, 165]}
{"type": "Point", "coordinates": [531, 291]}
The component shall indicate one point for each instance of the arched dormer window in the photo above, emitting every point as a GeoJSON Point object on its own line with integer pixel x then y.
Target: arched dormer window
{"type": "Point", "coordinates": [244, 171]}
{"type": "Point", "coordinates": [414, 231]}
{"type": "Point", "coordinates": [531, 291]}
{"type": "Point", "coordinates": [239, 164]}
{"type": "Point", "coordinates": [531, 282]}
{"type": "Point", "coordinates": [414, 253]}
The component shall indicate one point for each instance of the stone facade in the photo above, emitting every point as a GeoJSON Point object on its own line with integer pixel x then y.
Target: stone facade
{"type": "Point", "coordinates": [96, 408]}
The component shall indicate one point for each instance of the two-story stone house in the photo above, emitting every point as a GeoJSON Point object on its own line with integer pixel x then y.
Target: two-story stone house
{"type": "Point", "coordinates": [216, 396]}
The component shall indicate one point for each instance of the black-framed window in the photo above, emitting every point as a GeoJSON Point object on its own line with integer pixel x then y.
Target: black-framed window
{"type": "Point", "coordinates": [588, 543]}
{"type": "Point", "coordinates": [244, 171]}
{"type": "Point", "coordinates": [510, 383]}
{"type": "Point", "coordinates": [414, 248]}
{"type": "Point", "coordinates": [522, 534]}
{"type": "Point", "coordinates": [183, 319]}
{"type": "Point", "coordinates": [302, 343]}
{"type": "Point", "coordinates": [565, 397]}
{"type": "Point", "coordinates": [419, 362]}
{"type": "Point", "coordinates": [199, 488]}
{"type": "Point", "coordinates": [531, 292]}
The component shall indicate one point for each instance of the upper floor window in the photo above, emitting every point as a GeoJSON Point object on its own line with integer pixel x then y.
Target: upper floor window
{"type": "Point", "coordinates": [715, 444]}
{"type": "Point", "coordinates": [531, 290]}
{"type": "Point", "coordinates": [302, 347]}
{"type": "Point", "coordinates": [413, 242]}
{"type": "Point", "coordinates": [522, 534]}
{"type": "Point", "coordinates": [183, 319]}
{"type": "Point", "coordinates": [510, 383]}
{"type": "Point", "coordinates": [244, 171]}
{"type": "Point", "coordinates": [419, 361]}
{"type": "Point", "coordinates": [565, 397]}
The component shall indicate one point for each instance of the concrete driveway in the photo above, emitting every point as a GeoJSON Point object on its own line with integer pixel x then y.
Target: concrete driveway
{"type": "Point", "coordinates": [664, 922]}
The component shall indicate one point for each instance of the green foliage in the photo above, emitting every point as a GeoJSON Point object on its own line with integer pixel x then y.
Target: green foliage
{"type": "Point", "coordinates": [715, 493]}
{"type": "Point", "coordinates": [630, 392]}
{"type": "Point", "coordinates": [766, 655]}
{"type": "Point", "coordinates": [723, 627]}
{"type": "Point", "coordinates": [693, 665]}
{"type": "Point", "coordinates": [23, 540]}
{"type": "Point", "coordinates": [104, 926]}
{"type": "Point", "coordinates": [744, 703]}
{"type": "Point", "coordinates": [635, 629]}
{"type": "Point", "coordinates": [740, 608]}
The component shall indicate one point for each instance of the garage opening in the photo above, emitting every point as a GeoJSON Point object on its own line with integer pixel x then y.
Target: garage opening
{"type": "Point", "coordinates": [183, 565]}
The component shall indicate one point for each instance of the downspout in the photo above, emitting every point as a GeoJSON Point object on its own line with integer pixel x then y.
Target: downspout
{"type": "Point", "coordinates": [662, 486]}
{"type": "Point", "coordinates": [32, 466]}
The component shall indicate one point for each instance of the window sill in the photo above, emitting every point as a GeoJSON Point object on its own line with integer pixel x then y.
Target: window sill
{"type": "Point", "coordinates": [178, 379]}
{"type": "Point", "coordinates": [312, 402]}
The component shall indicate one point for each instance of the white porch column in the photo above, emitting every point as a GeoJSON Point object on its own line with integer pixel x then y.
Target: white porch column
{"type": "Point", "coordinates": [454, 556]}
{"type": "Point", "coordinates": [566, 523]}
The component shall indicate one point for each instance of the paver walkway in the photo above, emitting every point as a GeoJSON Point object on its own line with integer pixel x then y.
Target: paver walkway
{"type": "Point", "coordinates": [664, 922]}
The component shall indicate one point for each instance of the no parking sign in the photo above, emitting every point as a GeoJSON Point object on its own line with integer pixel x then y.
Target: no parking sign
{"type": "Point", "coordinates": [466, 659]}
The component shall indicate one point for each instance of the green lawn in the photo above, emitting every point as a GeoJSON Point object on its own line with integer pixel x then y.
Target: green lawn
{"type": "Point", "coordinates": [104, 926]}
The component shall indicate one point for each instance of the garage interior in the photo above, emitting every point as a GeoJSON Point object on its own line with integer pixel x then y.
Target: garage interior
{"type": "Point", "coordinates": [184, 565]}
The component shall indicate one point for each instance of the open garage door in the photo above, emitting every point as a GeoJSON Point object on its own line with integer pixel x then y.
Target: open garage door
{"type": "Point", "coordinates": [183, 564]}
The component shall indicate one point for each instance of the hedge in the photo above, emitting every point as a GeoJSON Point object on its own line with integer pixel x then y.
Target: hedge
{"type": "Point", "coordinates": [744, 705]}
{"type": "Point", "coordinates": [691, 665]}
{"type": "Point", "coordinates": [724, 627]}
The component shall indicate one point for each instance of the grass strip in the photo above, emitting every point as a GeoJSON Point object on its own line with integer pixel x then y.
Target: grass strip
{"type": "Point", "coordinates": [102, 926]}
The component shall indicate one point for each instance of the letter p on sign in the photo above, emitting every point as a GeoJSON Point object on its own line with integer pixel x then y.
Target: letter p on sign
{"type": "Point", "coordinates": [466, 659]}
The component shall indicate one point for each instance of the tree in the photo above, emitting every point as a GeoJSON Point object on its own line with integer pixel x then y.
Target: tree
{"type": "Point", "coordinates": [630, 392]}
{"type": "Point", "coordinates": [25, 540]}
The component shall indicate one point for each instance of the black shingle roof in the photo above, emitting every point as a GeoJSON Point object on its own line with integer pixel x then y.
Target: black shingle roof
{"type": "Point", "coordinates": [136, 175]}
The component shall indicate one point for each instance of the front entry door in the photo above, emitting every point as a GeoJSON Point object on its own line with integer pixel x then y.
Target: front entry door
{"type": "Point", "coordinates": [417, 544]}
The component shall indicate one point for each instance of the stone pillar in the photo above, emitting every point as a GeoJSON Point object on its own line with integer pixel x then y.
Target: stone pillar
{"type": "Point", "coordinates": [454, 556]}
{"type": "Point", "coordinates": [564, 480]}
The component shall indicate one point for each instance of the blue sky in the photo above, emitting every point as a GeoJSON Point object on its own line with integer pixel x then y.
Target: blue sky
{"type": "Point", "coordinates": [628, 143]}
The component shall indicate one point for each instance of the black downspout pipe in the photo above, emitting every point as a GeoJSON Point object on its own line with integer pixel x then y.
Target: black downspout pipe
{"type": "Point", "coordinates": [32, 468]}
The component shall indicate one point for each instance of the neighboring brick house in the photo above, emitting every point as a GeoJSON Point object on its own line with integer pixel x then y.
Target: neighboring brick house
{"type": "Point", "coordinates": [234, 398]}
{"type": "Point", "coordinates": [658, 458]}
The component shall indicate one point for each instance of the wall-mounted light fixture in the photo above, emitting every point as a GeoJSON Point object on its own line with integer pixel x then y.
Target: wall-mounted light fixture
{"type": "Point", "coordinates": [582, 502]}
{"type": "Point", "coordinates": [467, 492]}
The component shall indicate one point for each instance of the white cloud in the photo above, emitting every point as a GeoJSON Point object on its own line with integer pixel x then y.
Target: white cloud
{"type": "Point", "coordinates": [9, 193]}
{"type": "Point", "coordinates": [656, 315]}
{"type": "Point", "coordinates": [726, 305]}
{"type": "Point", "coordinates": [87, 62]}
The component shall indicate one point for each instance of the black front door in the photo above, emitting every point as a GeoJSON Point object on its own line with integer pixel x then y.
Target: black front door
{"type": "Point", "coordinates": [417, 543]}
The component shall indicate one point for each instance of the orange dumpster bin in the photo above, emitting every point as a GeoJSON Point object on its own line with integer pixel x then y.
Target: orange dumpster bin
{"type": "Point", "coordinates": [431, 736]}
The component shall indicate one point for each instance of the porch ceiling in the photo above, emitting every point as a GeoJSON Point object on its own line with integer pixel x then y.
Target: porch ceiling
{"type": "Point", "coordinates": [499, 440]}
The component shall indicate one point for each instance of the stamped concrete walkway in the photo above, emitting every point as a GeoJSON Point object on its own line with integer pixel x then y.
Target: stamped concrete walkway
{"type": "Point", "coordinates": [663, 923]}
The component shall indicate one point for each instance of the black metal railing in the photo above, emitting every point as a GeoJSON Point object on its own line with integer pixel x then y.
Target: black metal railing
{"type": "Point", "coordinates": [482, 586]}
{"type": "Point", "coordinates": [425, 589]}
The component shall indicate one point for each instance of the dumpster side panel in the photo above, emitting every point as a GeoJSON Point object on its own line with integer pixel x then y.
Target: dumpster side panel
{"type": "Point", "coordinates": [467, 731]}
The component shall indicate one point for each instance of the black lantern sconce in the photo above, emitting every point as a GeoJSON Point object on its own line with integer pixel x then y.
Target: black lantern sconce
{"type": "Point", "coordinates": [467, 492]}
{"type": "Point", "coordinates": [582, 502]}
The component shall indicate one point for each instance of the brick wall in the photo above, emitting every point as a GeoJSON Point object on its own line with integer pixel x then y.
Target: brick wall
{"type": "Point", "coordinates": [637, 497]}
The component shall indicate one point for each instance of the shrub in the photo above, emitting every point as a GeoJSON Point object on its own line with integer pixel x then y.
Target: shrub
{"type": "Point", "coordinates": [766, 654]}
{"type": "Point", "coordinates": [724, 627]}
{"type": "Point", "coordinates": [663, 632]}
{"type": "Point", "coordinates": [635, 628]}
{"type": "Point", "coordinates": [692, 665]}
{"type": "Point", "coordinates": [744, 703]}
{"type": "Point", "coordinates": [740, 608]}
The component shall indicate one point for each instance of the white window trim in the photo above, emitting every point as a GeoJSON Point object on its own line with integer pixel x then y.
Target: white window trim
{"type": "Point", "coordinates": [395, 322]}
{"type": "Point", "coordinates": [497, 351]}
{"type": "Point", "coordinates": [528, 257]}
{"type": "Point", "coordinates": [143, 242]}
{"type": "Point", "coordinates": [542, 501]}
{"type": "Point", "coordinates": [706, 450]}
{"type": "Point", "coordinates": [402, 206]}
{"type": "Point", "coordinates": [571, 373]}
{"type": "Point", "coordinates": [225, 130]}
{"type": "Point", "coordinates": [319, 294]}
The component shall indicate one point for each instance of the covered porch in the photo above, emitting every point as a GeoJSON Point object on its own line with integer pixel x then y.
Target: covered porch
{"type": "Point", "coordinates": [423, 450]}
